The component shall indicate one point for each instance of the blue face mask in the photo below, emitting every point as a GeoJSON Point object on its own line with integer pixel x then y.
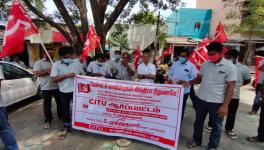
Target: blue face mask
{"type": "Point", "coordinates": [67, 61]}
{"type": "Point", "coordinates": [117, 57]}
{"type": "Point", "coordinates": [182, 60]}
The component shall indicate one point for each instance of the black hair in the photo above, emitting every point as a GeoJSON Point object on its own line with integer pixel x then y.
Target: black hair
{"type": "Point", "coordinates": [185, 50]}
{"type": "Point", "coordinates": [102, 56]}
{"type": "Point", "coordinates": [233, 52]}
{"type": "Point", "coordinates": [215, 46]}
{"type": "Point", "coordinates": [50, 49]}
{"type": "Point", "coordinates": [65, 50]}
{"type": "Point", "coordinates": [147, 51]}
{"type": "Point", "coordinates": [119, 52]}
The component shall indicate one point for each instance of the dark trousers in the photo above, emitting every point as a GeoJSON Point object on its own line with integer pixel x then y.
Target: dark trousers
{"type": "Point", "coordinates": [192, 95]}
{"type": "Point", "coordinates": [65, 108]}
{"type": "Point", "coordinates": [47, 104]}
{"type": "Point", "coordinates": [185, 98]}
{"type": "Point", "coordinates": [6, 132]}
{"type": "Point", "coordinates": [202, 109]}
{"type": "Point", "coordinates": [261, 123]}
{"type": "Point", "coordinates": [231, 116]}
{"type": "Point", "coordinates": [257, 99]}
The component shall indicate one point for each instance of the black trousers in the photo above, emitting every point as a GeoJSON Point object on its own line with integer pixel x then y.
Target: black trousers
{"type": "Point", "coordinates": [185, 98]}
{"type": "Point", "coordinates": [192, 95]}
{"type": "Point", "coordinates": [47, 104]}
{"type": "Point", "coordinates": [65, 108]}
{"type": "Point", "coordinates": [261, 123]}
{"type": "Point", "coordinates": [231, 116]}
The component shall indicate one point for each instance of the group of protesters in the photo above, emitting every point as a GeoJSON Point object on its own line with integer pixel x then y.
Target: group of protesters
{"type": "Point", "coordinates": [220, 79]}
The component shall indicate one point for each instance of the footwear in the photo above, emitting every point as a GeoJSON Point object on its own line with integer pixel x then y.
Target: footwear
{"type": "Point", "coordinates": [231, 134]}
{"type": "Point", "coordinates": [123, 142]}
{"type": "Point", "coordinates": [63, 133]}
{"type": "Point", "coordinates": [192, 144]}
{"type": "Point", "coordinates": [254, 139]}
{"type": "Point", "coordinates": [47, 126]}
{"type": "Point", "coordinates": [208, 129]}
{"type": "Point", "coordinates": [252, 112]}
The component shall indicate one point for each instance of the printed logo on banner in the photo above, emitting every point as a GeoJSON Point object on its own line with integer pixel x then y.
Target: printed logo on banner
{"type": "Point", "coordinates": [84, 88]}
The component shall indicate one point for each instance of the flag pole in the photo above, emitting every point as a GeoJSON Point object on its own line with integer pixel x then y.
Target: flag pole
{"type": "Point", "coordinates": [41, 43]}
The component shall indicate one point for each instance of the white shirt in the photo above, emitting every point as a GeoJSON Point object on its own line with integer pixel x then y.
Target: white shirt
{"type": "Point", "coordinates": [59, 68]}
{"type": "Point", "coordinates": [243, 73]}
{"type": "Point", "coordinates": [214, 80]}
{"type": "Point", "coordinates": [96, 67]}
{"type": "Point", "coordinates": [45, 81]}
{"type": "Point", "coordinates": [185, 72]}
{"type": "Point", "coordinates": [146, 70]}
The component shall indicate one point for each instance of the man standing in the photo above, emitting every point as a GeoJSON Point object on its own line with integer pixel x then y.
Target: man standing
{"type": "Point", "coordinates": [146, 70]}
{"type": "Point", "coordinates": [260, 136]}
{"type": "Point", "coordinates": [217, 77]}
{"type": "Point", "coordinates": [63, 73]}
{"type": "Point", "coordinates": [48, 88]}
{"type": "Point", "coordinates": [183, 71]}
{"type": "Point", "coordinates": [97, 68]}
{"type": "Point", "coordinates": [125, 71]}
{"type": "Point", "coordinates": [6, 132]}
{"type": "Point", "coordinates": [112, 65]}
{"type": "Point", "coordinates": [243, 78]}
{"type": "Point", "coordinates": [257, 99]}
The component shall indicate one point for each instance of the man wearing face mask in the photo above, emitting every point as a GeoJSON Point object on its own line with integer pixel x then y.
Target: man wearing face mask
{"type": "Point", "coordinates": [218, 78]}
{"type": "Point", "coordinates": [243, 78]}
{"type": "Point", "coordinates": [49, 89]}
{"type": "Point", "coordinates": [63, 73]}
{"type": "Point", "coordinates": [112, 65]}
{"type": "Point", "coordinates": [97, 68]}
{"type": "Point", "coordinates": [183, 71]}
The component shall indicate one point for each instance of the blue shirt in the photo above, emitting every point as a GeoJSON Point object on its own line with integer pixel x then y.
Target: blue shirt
{"type": "Point", "coordinates": [186, 72]}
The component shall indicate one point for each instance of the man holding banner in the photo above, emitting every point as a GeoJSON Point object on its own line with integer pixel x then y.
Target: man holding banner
{"type": "Point", "coordinates": [217, 77]}
{"type": "Point", "coordinates": [146, 70]}
{"type": "Point", "coordinates": [183, 71]}
{"type": "Point", "coordinates": [63, 73]}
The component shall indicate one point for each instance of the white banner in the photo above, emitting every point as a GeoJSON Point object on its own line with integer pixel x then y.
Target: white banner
{"type": "Point", "coordinates": [141, 111]}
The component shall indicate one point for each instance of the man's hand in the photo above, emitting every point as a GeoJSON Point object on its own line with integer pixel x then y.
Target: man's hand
{"type": "Point", "coordinates": [98, 75]}
{"type": "Point", "coordinates": [181, 82]}
{"type": "Point", "coordinates": [71, 75]}
{"type": "Point", "coordinates": [222, 111]}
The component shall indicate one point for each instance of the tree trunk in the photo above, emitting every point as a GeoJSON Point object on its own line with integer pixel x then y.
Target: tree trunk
{"type": "Point", "coordinates": [247, 48]}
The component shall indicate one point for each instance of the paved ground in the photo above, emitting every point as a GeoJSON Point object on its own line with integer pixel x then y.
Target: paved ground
{"type": "Point", "coordinates": [26, 120]}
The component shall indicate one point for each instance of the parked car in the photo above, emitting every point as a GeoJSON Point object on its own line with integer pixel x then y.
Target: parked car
{"type": "Point", "coordinates": [18, 84]}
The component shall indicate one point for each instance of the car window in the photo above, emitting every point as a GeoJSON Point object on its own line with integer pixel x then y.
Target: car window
{"type": "Point", "coordinates": [12, 72]}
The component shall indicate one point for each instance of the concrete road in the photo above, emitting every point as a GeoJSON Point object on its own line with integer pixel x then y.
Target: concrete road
{"type": "Point", "coordinates": [27, 121]}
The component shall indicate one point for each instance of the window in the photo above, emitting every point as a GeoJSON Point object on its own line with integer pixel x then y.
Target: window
{"type": "Point", "coordinates": [12, 72]}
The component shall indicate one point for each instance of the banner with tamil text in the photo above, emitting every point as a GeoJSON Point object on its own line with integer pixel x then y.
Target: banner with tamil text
{"type": "Point", "coordinates": [141, 111]}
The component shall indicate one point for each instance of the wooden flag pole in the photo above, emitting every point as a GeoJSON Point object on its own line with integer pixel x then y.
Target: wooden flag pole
{"type": "Point", "coordinates": [41, 43]}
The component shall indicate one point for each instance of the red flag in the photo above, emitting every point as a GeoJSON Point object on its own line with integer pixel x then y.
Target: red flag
{"type": "Point", "coordinates": [18, 27]}
{"type": "Point", "coordinates": [137, 56]}
{"type": "Point", "coordinates": [258, 60]}
{"type": "Point", "coordinates": [167, 52]}
{"type": "Point", "coordinates": [91, 43]}
{"type": "Point", "coordinates": [205, 42]}
{"type": "Point", "coordinates": [220, 35]}
{"type": "Point", "coordinates": [58, 37]}
{"type": "Point", "coordinates": [198, 57]}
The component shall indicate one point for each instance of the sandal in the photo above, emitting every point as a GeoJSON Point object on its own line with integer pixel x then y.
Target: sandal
{"type": "Point", "coordinates": [253, 139]}
{"type": "Point", "coordinates": [192, 144]}
{"type": "Point", "coordinates": [47, 126]}
{"type": "Point", "coordinates": [63, 133]}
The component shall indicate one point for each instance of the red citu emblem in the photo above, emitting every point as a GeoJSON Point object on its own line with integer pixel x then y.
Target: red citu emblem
{"type": "Point", "coordinates": [84, 88]}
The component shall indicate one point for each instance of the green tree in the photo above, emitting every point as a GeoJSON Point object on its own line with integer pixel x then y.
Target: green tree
{"type": "Point", "coordinates": [251, 15]}
{"type": "Point", "coordinates": [73, 13]}
{"type": "Point", "coordinates": [119, 37]}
